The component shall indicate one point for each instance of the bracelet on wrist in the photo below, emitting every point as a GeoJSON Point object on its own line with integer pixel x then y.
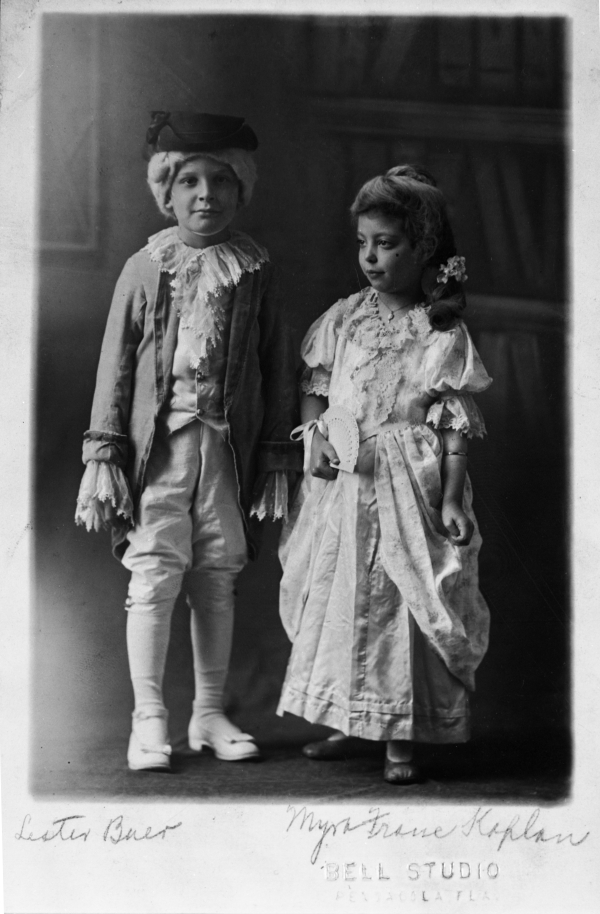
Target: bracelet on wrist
{"type": "Point", "coordinates": [455, 454]}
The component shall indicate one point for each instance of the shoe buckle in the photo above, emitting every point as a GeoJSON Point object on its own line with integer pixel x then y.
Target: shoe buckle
{"type": "Point", "coordinates": [161, 750]}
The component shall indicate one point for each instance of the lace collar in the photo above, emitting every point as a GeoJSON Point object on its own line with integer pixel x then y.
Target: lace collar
{"type": "Point", "coordinates": [216, 268]}
{"type": "Point", "coordinates": [365, 322]}
{"type": "Point", "coordinates": [416, 317]}
{"type": "Point", "coordinates": [203, 279]}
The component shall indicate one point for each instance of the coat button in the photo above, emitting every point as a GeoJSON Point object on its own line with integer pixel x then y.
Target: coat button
{"type": "Point", "coordinates": [200, 412]}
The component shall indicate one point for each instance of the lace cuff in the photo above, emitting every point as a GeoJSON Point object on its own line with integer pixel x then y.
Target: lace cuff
{"type": "Point", "coordinates": [315, 381]}
{"type": "Point", "coordinates": [104, 498]}
{"type": "Point", "coordinates": [458, 412]}
{"type": "Point", "coordinates": [273, 500]}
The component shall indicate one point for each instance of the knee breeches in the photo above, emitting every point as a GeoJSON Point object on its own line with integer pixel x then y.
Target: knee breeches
{"type": "Point", "coordinates": [188, 528]}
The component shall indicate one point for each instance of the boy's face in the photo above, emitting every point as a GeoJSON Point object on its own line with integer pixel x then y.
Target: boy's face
{"type": "Point", "coordinates": [205, 198]}
{"type": "Point", "coordinates": [387, 258]}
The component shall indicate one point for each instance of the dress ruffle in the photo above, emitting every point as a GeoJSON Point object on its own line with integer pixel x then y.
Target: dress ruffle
{"type": "Point", "coordinates": [272, 501]}
{"type": "Point", "coordinates": [315, 381]}
{"type": "Point", "coordinates": [459, 412]}
{"type": "Point", "coordinates": [104, 498]}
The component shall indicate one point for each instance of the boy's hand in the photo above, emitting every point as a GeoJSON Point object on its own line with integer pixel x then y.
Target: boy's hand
{"type": "Point", "coordinates": [321, 456]}
{"type": "Point", "coordinates": [459, 526]}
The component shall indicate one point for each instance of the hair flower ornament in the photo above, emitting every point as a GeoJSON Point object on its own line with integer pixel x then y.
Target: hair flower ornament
{"type": "Point", "coordinates": [454, 266]}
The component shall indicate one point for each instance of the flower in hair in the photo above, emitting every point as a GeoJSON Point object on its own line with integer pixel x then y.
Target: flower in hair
{"type": "Point", "coordinates": [454, 266]}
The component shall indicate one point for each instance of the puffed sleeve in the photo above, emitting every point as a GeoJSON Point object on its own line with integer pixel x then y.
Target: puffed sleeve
{"type": "Point", "coordinates": [453, 371]}
{"type": "Point", "coordinates": [318, 351]}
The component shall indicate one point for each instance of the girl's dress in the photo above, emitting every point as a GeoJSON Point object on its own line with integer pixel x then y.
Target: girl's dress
{"type": "Point", "coordinates": [384, 612]}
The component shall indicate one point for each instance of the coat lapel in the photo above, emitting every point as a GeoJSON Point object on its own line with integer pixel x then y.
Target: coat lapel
{"type": "Point", "coordinates": [166, 324]}
{"type": "Point", "coordinates": [245, 308]}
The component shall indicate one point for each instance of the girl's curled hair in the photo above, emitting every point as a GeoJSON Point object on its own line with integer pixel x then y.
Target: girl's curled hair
{"type": "Point", "coordinates": [410, 194]}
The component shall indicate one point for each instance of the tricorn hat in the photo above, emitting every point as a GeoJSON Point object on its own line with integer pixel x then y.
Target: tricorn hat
{"type": "Point", "coordinates": [183, 131]}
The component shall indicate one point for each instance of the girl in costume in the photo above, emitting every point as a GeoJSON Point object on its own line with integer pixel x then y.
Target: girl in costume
{"type": "Point", "coordinates": [380, 591]}
{"type": "Point", "coordinates": [195, 400]}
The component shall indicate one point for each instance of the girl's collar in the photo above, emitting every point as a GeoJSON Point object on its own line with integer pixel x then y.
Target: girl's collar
{"type": "Point", "coordinates": [372, 299]}
{"type": "Point", "coordinates": [413, 323]}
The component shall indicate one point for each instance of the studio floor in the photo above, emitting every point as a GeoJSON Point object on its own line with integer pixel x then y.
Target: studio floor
{"type": "Point", "coordinates": [482, 771]}
{"type": "Point", "coordinates": [83, 701]}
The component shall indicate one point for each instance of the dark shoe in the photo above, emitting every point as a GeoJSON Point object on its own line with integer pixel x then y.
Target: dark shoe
{"type": "Point", "coordinates": [401, 772]}
{"type": "Point", "coordinates": [332, 750]}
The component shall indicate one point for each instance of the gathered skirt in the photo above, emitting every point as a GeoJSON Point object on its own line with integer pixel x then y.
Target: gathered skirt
{"type": "Point", "coordinates": [360, 661]}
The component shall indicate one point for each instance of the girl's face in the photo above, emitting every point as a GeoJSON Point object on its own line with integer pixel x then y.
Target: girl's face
{"type": "Point", "coordinates": [205, 198]}
{"type": "Point", "coordinates": [387, 258]}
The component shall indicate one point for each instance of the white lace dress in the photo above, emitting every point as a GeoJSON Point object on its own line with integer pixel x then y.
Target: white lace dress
{"type": "Point", "coordinates": [385, 614]}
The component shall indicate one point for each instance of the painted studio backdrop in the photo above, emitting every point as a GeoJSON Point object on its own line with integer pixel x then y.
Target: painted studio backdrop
{"type": "Point", "coordinates": [334, 101]}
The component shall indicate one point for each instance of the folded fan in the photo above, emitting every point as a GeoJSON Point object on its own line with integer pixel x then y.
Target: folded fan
{"type": "Point", "coordinates": [342, 432]}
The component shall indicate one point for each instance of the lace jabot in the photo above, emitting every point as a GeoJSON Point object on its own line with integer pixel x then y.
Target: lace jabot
{"type": "Point", "coordinates": [203, 279]}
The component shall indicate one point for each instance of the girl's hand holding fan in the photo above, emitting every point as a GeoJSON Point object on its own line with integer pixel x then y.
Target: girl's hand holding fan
{"type": "Point", "coordinates": [323, 457]}
{"type": "Point", "coordinates": [342, 432]}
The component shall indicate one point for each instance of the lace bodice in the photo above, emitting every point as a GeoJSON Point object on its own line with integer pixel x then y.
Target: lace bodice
{"type": "Point", "coordinates": [392, 373]}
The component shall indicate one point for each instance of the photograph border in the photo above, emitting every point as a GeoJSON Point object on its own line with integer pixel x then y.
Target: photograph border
{"type": "Point", "coordinates": [545, 864]}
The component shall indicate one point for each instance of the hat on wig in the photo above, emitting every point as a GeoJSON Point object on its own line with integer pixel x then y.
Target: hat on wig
{"type": "Point", "coordinates": [178, 136]}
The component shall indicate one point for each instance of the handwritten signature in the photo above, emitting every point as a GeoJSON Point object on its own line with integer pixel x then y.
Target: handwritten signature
{"type": "Point", "coordinates": [378, 825]}
{"type": "Point", "coordinates": [69, 828]}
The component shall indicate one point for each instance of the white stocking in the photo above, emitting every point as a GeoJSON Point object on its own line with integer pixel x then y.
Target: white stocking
{"type": "Point", "coordinates": [211, 599]}
{"type": "Point", "coordinates": [148, 630]}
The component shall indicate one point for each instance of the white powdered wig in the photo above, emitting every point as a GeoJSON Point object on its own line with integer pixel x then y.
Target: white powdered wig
{"type": "Point", "coordinates": [163, 167]}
